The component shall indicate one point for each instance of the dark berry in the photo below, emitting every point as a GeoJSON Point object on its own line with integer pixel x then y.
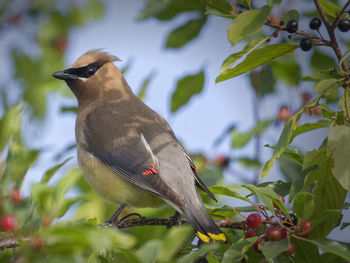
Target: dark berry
{"type": "Point", "coordinates": [315, 23]}
{"type": "Point", "coordinates": [251, 233]}
{"type": "Point", "coordinates": [16, 196]}
{"type": "Point", "coordinates": [9, 223]}
{"type": "Point", "coordinates": [290, 250]}
{"type": "Point", "coordinates": [253, 220]}
{"type": "Point", "coordinates": [292, 26]}
{"type": "Point", "coordinates": [256, 244]}
{"type": "Point", "coordinates": [305, 226]}
{"type": "Point", "coordinates": [292, 221]}
{"type": "Point", "coordinates": [274, 234]}
{"type": "Point", "coordinates": [281, 198]}
{"type": "Point", "coordinates": [344, 25]}
{"type": "Point", "coordinates": [305, 44]}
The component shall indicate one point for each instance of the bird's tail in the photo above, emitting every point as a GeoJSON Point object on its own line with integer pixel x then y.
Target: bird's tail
{"type": "Point", "coordinates": [205, 228]}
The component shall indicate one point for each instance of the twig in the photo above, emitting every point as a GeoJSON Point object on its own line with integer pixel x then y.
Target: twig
{"type": "Point", "coordinates": [339, 15]}
{"type": "Point", "coordinates": [11, 242]}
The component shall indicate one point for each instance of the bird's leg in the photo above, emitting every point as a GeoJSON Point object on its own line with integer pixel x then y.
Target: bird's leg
{"type": "Point", "coordinates": [114, 218]}
{"type": "Point", "coordinates": [176, 218]}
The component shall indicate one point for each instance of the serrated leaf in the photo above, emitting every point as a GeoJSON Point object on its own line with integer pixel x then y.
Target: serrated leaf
{"type": "Point", "coordinates": [273, 249]}
{"type": "Point", "coordinates": [257, 58]}
{"type": "Point", "coordinates": [185, 33]}
{"type": "Point", "coordinates": [325, 85]}
{"type": "Point", "coordinates": [186, 88]}
{"type": "Point", "coordinates": [304, 205]}
{"type": "Point", "coordinates": [239, 140]}
{"type": "Point", "coordinates": [334, 247]}
{"type": "Point", "coordinates": [279, 187]}
{"type": "Point", "coordinates": [247, 23]}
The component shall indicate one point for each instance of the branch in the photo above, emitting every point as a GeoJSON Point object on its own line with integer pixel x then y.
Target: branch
{"type": "Point", "coordinates": [143, 221]}
{"type": "Point", "coordinates": [339, 15]}
{"type": "Point", "coordinates": [11, 242]}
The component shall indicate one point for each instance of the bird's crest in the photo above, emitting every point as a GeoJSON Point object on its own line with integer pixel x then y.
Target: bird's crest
{"type": "Point", "coordinates": [94, 55]}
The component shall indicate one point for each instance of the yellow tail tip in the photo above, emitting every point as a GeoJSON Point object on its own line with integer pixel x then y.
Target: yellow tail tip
{"type": "Point", "coordinates": [220, 236]}
{"type": "Point", "coordinates": [203, 237]}
{"type": "Point", "coordinates": [206, 238]}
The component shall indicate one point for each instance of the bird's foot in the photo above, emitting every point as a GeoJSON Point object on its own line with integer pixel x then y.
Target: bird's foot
{"type": "Point", "coordinates": [176, 218]}
{"type": "Point", "coordinates": [114, 218]}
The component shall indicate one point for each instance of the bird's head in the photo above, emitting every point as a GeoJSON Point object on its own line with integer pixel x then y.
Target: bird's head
{"type": "Point", "coordinates": [92, 76]}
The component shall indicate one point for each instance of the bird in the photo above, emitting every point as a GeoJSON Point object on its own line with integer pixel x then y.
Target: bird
{"type": "Point", "coordinates": [127, 152]}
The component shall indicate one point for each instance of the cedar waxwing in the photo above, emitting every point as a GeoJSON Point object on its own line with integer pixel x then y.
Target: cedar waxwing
{"type": "Point", "coordinates": [128, 153]}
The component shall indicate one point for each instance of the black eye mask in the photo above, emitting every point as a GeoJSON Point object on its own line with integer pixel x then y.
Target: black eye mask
{"type": "Point", "coordinates": [84, 72]}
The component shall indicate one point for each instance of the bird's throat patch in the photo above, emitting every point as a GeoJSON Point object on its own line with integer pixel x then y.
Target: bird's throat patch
{"type": "Point", "coordinates": [150, 171]}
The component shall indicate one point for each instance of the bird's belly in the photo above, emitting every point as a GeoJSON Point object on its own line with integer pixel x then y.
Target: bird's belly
{"type": "Point", "coordinates": [112, 187]}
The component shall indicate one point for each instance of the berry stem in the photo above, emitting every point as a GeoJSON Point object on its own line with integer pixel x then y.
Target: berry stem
{"type": "Point", "coordinates": [330, 30]}
{"type": "Point", "coordinates": [339, 15]}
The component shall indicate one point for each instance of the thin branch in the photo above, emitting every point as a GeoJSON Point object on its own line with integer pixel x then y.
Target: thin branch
{"type": "Point", "coordinates": [339, 15]}
{"type": "Point", "coordinates": [330, 29]}
{"type": "Point", "coordinates": [11, 242]}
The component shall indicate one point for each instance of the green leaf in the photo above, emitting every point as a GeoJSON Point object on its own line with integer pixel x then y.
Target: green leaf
{"type": "Point", "coordinates": [273, 249]}
{"type": "Point", "coordinates": [267, 196]}
{"type": "Point", "coordinates": [291, 14]}
{"type": "Point", "coordinates": [338, 146]}
{"type": "Point", "coordinates": [334, 247]}
{"type": "Point", "coordinates": [263, 81]}
{"type": "Point", "coordinates": [148, 252]}
{"type": "Point", "coordinates": [309, 127]}
{"type": "Point", "coordinates": [239, 140]}
{"type": "Point", "coordinates": [49, 173]}
{"type": "Point", "coordinates": [304, 205]}
{"type": "Point", "coordinates": [9, 125]}
{"type": "Point", "coordinates": [287, 69]}
{"type": "Point", "coordinates": [238, 249]}
{"type": "Point", "coordinates": [324, 216]}
{"type": "Point", "coordinates": [329, 8]}
{"type": "Point", "coordinates": [230, 60]}
{"type": "Point", "coordinates": [279, 187]}
{"type": "Point", "coordinates": [223, 190]}
{"type": "Point", "coordinates": [186, 88]}
{"type": "Point", "coordinates": [173, 242]}
{"type": "Point", "coordinates": [249, 162]}
{"type": "Point", "coordinates": [325, 85]}
{"type": "Point", "coordinates": [257, 58]}
{"type": "Point", "coordinates": [247, 23]}
{"type": "Point", "coordinates": [185, 33]}
{"type": "Point", "coordinates": [320, 62]}
{"type": "Point", "coordinates": [305, 252]}
{"type": "Point", "coordinates": [328, 193]}
{"type": "Point", "coordinates": [219, 8]}
{"type": "Point", "coordinates": [144, 85]}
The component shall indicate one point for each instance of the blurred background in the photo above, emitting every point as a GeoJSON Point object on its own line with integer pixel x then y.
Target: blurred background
{"type": "Point", "coordinates": [171, 54]}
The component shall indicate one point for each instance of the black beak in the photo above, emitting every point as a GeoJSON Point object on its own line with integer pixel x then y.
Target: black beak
{"type": "Point", "coordinates": [64, 75]}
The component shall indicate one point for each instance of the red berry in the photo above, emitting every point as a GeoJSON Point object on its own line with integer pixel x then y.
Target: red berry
{"type": "Point", "coordinates": [253, 220]}
{"type": "Point", "coordinates": [274, 234]}
{"type": "Point", "coordinates": [305, 226]}
{"type": "Point", "coordinates": [290, 250]}
{"type": "Point", "coordinates": [281, 198]}
{"type": "Point", "coordinates": [256, 244]}
{"type": "Point", "coordinates": [16, 196]}
{"type": "Point", "coordinates": [284, 113]}
{"type": "Point", "coordinates": [251, 233]}
{"type": "Point", "coordinates": [61, 44]}
{"type": "Point", "coordinates": [37, 243]}
{"type": "Point", "coordinates": [9, 223]}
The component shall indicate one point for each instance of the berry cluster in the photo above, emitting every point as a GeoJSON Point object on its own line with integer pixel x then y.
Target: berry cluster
{"type": "Point", "coordinates": [276, 227]}
{"type": "Point", "coordinates": [315, 24]}
{"type": "Point", "coordinates": [9, 222]}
